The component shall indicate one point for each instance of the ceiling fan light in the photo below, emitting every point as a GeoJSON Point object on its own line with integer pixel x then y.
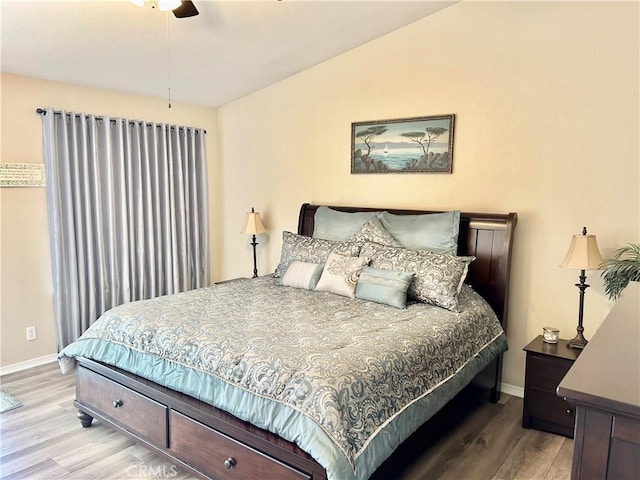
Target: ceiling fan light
{"type": "Point", "coordinates": [165, 5]}
{"type": "Point", "coordinates": [137, 3]}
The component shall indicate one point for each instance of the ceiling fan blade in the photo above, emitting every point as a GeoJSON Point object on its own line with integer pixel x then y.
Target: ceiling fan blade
{"type": "Point", "coordinates": [187, 9]}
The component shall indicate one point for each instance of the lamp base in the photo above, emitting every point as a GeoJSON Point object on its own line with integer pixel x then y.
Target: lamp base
{"type": "Point", "coordinates": [254, 244]}
{"type": "Point", "coordinates": [578, 341]}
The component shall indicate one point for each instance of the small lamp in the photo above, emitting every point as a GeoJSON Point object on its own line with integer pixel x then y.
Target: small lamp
{"type": "Point", "coordinates": [252, 226]}
{"type": "Point", "coordinates": [583, 255]}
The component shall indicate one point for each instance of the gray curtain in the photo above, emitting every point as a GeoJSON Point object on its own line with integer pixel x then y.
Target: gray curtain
{"type": "Point", "coordinates": [127, 210]}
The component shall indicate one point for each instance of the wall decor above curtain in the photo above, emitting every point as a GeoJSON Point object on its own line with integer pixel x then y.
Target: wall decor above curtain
{"type": "Point", "coordinates": [403, 145]}
{"type": "Point", "coordinates": [127, 211]}
{"type": "Point", "coordinates": [22, 175]}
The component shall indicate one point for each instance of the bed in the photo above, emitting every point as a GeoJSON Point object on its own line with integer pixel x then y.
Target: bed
{"type": "Point", "coordinates": [256, 379]}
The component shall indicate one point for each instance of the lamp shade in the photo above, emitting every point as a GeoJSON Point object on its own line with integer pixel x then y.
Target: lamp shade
{"type": "Point", "coordinates": [583, 253]}
{"type": "Point", "coordinates": [253, 224]}
{"type": "Point", "coordinates": [166, 5]}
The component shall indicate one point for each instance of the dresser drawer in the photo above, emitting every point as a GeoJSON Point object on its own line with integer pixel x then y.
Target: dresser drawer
{"type": "Point", "coordinates": [128, 409]}
{"type": "Point", "coordinates": [221, 457]}
{"type": "Point", "coordinates": [545, 372]}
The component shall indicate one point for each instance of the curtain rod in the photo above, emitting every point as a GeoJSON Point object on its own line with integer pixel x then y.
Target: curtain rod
{"type": "Point", "coordinates": [42, 111]}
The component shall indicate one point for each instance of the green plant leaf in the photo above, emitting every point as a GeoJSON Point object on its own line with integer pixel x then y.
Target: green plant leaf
{"type": "Point", "coordinates": [623, 268]}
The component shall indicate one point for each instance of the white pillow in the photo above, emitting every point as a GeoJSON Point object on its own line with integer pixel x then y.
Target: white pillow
{"type": "Point", "coordinates": [341, 274]}
{"type": "Point", "coordinates": [302, 275]}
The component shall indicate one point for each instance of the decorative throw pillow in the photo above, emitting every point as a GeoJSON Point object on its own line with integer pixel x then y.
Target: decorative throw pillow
{"type": "Point", "coordinates": [437, 232]}
{"type": "Point", "coordinates": [332, 224]}
{"type": "Point", "coordinates": [437, 279]}
{"type": "Point", "coordinates": [302, 275]}
{"type": "Point", "coordinates": [313, 250]}
{"type": "Point", "coordinates": [340, 274]}
{"type": "Point", "coordinates": [374, 231]}
{"type": "Point", "coordinates": [388, 287]}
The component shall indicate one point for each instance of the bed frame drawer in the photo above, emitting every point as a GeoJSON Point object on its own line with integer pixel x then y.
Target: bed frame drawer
{"type": "Point", "coordinates": [222, 457]}
{"type": "Point", "coordinates": [132, 411]}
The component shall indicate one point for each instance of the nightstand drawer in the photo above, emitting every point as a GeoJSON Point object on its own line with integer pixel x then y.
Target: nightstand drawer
{"type": "Point", "coordinates": [546, 372]}
{"type": "Point", "coordinates": [550, 407]}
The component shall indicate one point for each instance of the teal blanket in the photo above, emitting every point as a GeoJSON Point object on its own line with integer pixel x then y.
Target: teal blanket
{"type": "Point", "coordinates": [345, 379]}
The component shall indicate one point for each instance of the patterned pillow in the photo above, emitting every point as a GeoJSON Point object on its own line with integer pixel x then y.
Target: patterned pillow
{"type": "Point", "coordinates": [384, 286]}
{"type": "Point", "coordinates": [374, 231]}
{"type": "Point", "coordinates": [437, 277]}
{"type": "Point", "coordinates": [313, 250]}
{"type": "Point", "coordinates": [340, 274]}
{"type": "Point", "coordinates": [302, 275]}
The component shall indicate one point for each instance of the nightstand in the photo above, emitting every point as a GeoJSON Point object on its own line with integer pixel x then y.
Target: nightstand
{"type": "Point", "coordinates": [547, 364]}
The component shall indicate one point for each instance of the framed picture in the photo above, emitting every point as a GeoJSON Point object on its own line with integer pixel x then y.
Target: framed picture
{"type": "Point", "coordinates": [403, 145]}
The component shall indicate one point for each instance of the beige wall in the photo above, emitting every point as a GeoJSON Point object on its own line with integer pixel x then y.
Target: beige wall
{"type": "Point", "coordinates": [547, 119]}
{"type": "Point", "coordinates": [547, 105]}
{"type": "Point", "coordinates": [26, 292]}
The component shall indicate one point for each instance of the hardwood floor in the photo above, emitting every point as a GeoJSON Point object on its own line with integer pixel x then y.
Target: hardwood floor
{"type": "Point", "coordinates": [467, 440]}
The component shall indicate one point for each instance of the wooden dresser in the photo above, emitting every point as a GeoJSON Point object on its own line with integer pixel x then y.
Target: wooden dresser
{"type": "Point", "coordinates": [604, 385]}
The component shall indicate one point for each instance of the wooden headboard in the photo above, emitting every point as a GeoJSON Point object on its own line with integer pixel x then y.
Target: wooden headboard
{"type": "Point", "coordinates": [487, 236]}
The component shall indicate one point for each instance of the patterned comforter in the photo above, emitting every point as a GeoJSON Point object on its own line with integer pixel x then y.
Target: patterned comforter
{"type": "Point", "coordinates": [343, 369]}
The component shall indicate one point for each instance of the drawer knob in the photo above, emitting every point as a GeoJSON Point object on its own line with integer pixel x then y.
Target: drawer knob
{"type": "Point", "coordinates": [569, 411]}
{"type": "Point", "coordinates": [117, 403]}
{"type": "Point", "coordinates": [229, 463]}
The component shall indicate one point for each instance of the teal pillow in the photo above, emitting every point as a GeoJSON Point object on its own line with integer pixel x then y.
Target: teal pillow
{"type": "Point", "coordinates": [437, 232]}
{"type": "Point", "coordinates": [340, 226]}
{"type": "Point", "coordinates": [384, 286]}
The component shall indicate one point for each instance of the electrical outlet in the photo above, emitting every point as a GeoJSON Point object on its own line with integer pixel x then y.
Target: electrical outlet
{"type": "Point", "coordinates": [31, 333]}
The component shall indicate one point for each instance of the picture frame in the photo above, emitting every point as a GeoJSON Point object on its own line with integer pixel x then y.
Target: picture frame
{"type": "Point", "coordinates": [403, 145]}
{"type": "Point", "coordinates": [22, 175]}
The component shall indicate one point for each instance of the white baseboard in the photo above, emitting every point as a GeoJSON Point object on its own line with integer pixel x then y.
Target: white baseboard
{"type": "Point", "coordinates": [35, 362]}
{"type": "Point", "coordinates": [512, 390]}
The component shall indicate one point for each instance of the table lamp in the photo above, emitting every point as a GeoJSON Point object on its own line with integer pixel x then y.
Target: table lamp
{"type": "Point", "coordinates": [253, 225]}
{"type": "Point", "coordinates": [583, 255]}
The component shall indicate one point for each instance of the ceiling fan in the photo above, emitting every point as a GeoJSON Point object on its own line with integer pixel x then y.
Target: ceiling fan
{"type": "Point", "coordinates": [180, 8]}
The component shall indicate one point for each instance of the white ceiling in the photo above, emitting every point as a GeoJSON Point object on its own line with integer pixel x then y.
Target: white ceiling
{"type": "Point", "coordinates": [231, 49]}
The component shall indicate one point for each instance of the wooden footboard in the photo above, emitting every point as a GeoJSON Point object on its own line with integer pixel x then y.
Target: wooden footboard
{"type": "Point", "coordinates": [202, 439]}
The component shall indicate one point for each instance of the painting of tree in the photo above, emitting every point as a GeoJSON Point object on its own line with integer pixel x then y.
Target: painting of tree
{"type": "Point", "coordinates": [431, 133]}
{"type": "Point", "coordinates": [411, 145]}
{"type": "Point", "coordinates": [369, 134]}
